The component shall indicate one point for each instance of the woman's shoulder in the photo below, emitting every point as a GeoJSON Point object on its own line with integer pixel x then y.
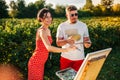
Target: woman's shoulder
{"type": "Point", "coordinates": [43, 31]}
{"type": "Point", "coordinates": [40, 31]}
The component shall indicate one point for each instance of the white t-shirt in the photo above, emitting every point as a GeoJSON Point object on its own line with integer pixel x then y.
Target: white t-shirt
{"type": "Point", "coordinates": [66, 29]}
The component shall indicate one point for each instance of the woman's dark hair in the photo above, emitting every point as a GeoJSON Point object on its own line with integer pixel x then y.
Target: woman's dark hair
{"type": "Point", "coordinates": [42, 13]}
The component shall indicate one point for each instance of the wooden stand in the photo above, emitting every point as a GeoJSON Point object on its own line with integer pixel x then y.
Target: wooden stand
{"type": "Point", "coordinates": [92, 65]}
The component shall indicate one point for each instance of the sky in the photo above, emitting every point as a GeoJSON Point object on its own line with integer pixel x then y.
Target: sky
{"type": "Point", "coordinates": [77, 3]}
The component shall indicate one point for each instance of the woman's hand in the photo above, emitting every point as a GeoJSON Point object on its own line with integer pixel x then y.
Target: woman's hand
{"type": "Point", "coordinates": [71, 47]}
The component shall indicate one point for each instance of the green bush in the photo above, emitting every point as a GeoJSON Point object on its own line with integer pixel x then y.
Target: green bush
{"type": "Point", "coordinates": [17, 43]}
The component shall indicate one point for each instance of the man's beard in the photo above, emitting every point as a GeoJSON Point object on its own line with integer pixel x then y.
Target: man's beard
{"type": "Point", "coordinates": [74, 22]}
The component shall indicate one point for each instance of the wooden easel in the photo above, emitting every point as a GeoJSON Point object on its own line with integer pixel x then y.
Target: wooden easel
{"type": "Point", "coordinates": [92, 65]}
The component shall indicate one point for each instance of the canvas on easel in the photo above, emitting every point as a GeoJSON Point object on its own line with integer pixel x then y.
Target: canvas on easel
{"type": "Point", "coordinates": [89, 69]}
{"type": "Point", "coordinates": [92, 65]}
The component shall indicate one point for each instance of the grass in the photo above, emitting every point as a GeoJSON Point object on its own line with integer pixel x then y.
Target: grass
{"type": "Point", "coordinates": [111, 67]}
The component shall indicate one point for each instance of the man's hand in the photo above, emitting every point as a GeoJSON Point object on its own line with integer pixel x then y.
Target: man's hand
{"type": "Point", "coordinates": [87, 42]}
{"type": "Point", "coordinates": [70, 40]}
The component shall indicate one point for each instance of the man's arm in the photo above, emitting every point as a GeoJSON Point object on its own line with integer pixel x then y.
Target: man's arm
{"type": "Point", "coordinates": [87, 42]}
{"type": "Point", "coordinates": [60, 41]}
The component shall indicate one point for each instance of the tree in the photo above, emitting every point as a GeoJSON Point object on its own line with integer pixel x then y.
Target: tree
{"type": "Point", "coordinates": [39, 4]}
{"type": "Point", "coordinates": [60, 11]}
{"type": "Point", "coordinates": [21, 8]}
{"type": "Point", "coordinates": [88, 5]}
{"type": "Point", "coordinates": [13, 9]}
{"type": "Point", "coordinates": [31, 10]}
{"type": "Point", "coordinates": [116, 9]}
{"type": "Point", "coordinates": [3, 9]}
{"type": "Point", "coordinates": [107, 3]}
{"type": "Point", "coordinates": [97, 10]}
{"type": "Point", "coordinates": [106, 6]}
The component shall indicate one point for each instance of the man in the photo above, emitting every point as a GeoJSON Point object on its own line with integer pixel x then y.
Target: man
{"type": "Point", "coordinates": [72, 32]}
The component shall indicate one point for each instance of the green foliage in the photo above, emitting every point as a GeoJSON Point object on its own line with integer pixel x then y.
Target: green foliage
{"type": "Point", "coordinates": [88, 5]}
{"type": "Point", "coordinates": [13, 5]}
{"type": "Point", "coordinates": [18, 9]}
{"type": "Point", "coordinates": [97, 10]}
{"type": "Point", "coordinates": [84, 13]}
{"type": "Point", "coordinates": [107, 3]}
{"type": "Point", "coordinates": [14, 11]}
{"type": "Point", "coordinates": [21, 8]}
{"type": "Point", "coordinates": [3, 9]}
{"type": "Point", "coordinates": [116, 9]}
{"type": "Point", "coordinates": [17, 43]}
{"type": "Point", "coordinates": [110, 70]}
{"type": "Point", "coordinates": [60, 11]}
{"type": "Point", "coordinates": [39, 4]}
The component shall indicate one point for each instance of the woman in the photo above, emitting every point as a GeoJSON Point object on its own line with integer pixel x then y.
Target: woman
{"type": "Point", "coordinates": [43, 47]}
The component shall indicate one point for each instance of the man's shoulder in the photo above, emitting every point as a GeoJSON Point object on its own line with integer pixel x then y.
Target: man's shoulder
{"type": "Point", "coordinates": [82, 23]}
{"type": "Point", "coordinates": [63, 24]}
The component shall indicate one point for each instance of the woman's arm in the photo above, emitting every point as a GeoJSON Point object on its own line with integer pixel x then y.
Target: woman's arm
{"type": "Point", "coordinates": [49, 47]}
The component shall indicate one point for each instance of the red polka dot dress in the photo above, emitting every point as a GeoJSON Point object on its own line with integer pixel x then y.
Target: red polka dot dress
{"type": "Point", "coordinates": [38, 59]}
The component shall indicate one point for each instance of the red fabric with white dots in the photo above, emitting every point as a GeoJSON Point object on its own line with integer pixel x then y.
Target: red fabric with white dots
{"type": "Point", "coordinates": [37, 61]}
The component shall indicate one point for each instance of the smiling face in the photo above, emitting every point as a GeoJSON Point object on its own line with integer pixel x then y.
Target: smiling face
{"type": "Point", "coordinates": [47, 19]}
{"type": "Point", "coordinates": [72, 16]}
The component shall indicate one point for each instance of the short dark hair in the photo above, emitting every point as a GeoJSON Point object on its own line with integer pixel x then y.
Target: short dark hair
{"type": "Point", "coordinates": [71, 8]}
{"type": "Point", "coordinates": [42, 13]}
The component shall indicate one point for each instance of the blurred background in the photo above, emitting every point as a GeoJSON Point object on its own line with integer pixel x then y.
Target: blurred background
{"type": "Point", "coordinates": [18, 26]}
